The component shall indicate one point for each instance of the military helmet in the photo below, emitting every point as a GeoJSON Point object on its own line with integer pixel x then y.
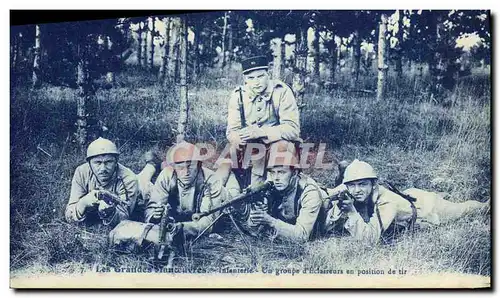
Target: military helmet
{"type": "Point", "coordinates": [183, 152]}
{"type": "Point", "coordinates": [101, 146]}
{"type": "Point", "coordinates": [358, 170]}
{"type": "Point", "coordinates": [283, 153]}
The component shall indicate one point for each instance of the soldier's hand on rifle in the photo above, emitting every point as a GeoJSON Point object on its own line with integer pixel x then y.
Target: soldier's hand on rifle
{"type": "Point", "coordinates": [89, 200]}
{"type": "Point", "coordinates": [105, 208]}
{"type": "Point", "coordinates": [346, 205]}
{"type": "Point", "coordinates": [260, 217]}
{"type": "Point", "coordinates": [260, 206]}
{"type": "Point", "coordinates": [337, 190]}
{"type": "Point", "coordinates": [251, 132]}
{"type": "Point", "coordinates": [157, 212]}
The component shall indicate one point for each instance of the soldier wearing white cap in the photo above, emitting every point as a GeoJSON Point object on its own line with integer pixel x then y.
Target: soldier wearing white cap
{"type": "Point", "coordinates": [102, 176]}
{"type": "Point", "coordinates": [378, 213]}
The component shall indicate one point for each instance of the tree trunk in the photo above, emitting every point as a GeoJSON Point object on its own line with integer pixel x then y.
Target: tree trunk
{"type": "Point", "coordinates": [178, 56]}
{"type": "Point", "coordinates": [316, 75]}
{"type": "Point", "coordinates": [382, 67]}
{"type": "Point", "coordinates": [145, 63]}
{"type": "Point", "coordinates": [165, 58]}
{"type": "Point", "coordinates": [184, 107]}
{"type": "Point", "coordinates": [36, 59]}
{"type": "Point", "coordinates": [298, 81]}
{"type": "Point", "coordinates": [110, 76]}
{"type": "Point", "coordinates": [284, 63]}
{"type": "Point", "coordinates": [333, 61]}
{"type": "Point", "coordinates": [17, 50]}
{"type": "Point", "coordinates": [277, 59]}
{"type": "Point", "coordinates": [438, 65]}
{"type": "Point", "coordinates": [139, 48]}
{"type": "Point", "coordinates": [196, 42]}
{"type": "Point", "coordinates": [82, 82]}
{"type": "Point", "coordinates": [398, 49]}
{"type": "Point", "coordinates": [152, 44]}
{"type": "Point", "coordinates": [172, 55]}
{"type": "Point", "coordinates": [229, 43]}
{"type": "Point", "coordinates": [224, 32]}
{"type": "Point", "coordinates": [13, 51]}
{"type": "Point", "coordinates": [356, 57]}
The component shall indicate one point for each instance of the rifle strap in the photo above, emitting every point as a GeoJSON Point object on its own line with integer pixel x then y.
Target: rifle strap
{"type": "Point", "coordinates": [379, 218]}
{"type": "Point", "coordinates": [146, 230]}
{"type": "Point", "coordinates": [410, 199]}
{"type": "Point", "coordinates": [204, 188]}
{"type": "Point", "coordinates": [242, 109]}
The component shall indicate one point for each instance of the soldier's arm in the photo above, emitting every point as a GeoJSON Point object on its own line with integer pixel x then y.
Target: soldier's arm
{"type": "Point", "coordinates": [127, 192]}
{"type": "Point", "coordinates": [288, 113]}
{"type": "Point", "coordinates": [75, 212]}
{"type": "Point", "coordinates": [370, 232]}
{"type": "Point", "coordinates": [308, 214]}
{"type": "Point", "coordinates": [159, 193]}
{"type": "Point", "coordinates": [233, 118]}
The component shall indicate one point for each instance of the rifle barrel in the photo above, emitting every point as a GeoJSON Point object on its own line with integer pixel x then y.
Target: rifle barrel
{"type": "Point", "coordinates": [248, 192]}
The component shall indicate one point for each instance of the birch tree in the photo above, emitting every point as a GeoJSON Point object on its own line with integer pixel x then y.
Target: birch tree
{"type": "Point", "coordinates": [152, 44]}
{"type": "Point", "coordinates": [398, 49]}
{"type": "Point", "coordinates": [139, 39]}
{"type": "Point", "coordinates": [276, 46]}
{"type": "Point", "coordinates": [145, 44]}
{"type": "Point", "coordinates": [230, 34]}
{"type": "Point", "coordinates": [316, 55]}
{"type": "Point", "coordinates": [223, 42]}
{"type": "Point", "coordinates": [382, 67]}
{"type": "Point", "coordinates": [164, 57]}
{"type": "Point", "coordinates": [36, 59]}
{"type": "Point", "coordinates": [356, 57]}
{"type": "Point", "coordinates": [84, 91]}
{"type": "Point", "coordinates": [174, 49]}
{"type": "Point", "coordinates": [184, 107]}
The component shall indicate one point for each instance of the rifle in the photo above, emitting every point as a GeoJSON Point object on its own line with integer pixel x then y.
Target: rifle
{"type": "Point", "coordinates": [246, 196]}
{"type": "Point", "coordinates": [344, 195]}
{"type": "Point", "coordinates": [166, 225]}
{"type": "Point", "coordinates": [110, 199]}
{"type": "Point", "coordinates": [169, 234]}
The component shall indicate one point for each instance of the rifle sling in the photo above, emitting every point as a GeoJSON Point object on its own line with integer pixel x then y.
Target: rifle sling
{"type": "Point", "coordinates": [242, 109]}
{"type": "Point", "coordinates": [410, 199]}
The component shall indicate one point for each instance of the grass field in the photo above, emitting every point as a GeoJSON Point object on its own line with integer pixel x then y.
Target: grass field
{"type": "Point", "coordinates": [412, 140]}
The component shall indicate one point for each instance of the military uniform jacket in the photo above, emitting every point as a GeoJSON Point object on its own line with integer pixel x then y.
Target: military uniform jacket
{"type": "Point", "coordinates": [124, 184]}
{"type": "Point", "coordinates": [297, 210]}
{"type": "Point", "coordinates": [275, 111]}
{"type": "Point", "coordinates": [203, 195]}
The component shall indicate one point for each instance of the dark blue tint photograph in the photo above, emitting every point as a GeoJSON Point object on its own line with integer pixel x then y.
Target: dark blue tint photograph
{"type": "Point", "coordinates": [275, 149]}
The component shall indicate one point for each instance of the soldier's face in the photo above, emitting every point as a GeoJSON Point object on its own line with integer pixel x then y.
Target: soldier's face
{"type": "Point", "coordinates": [360, 189]}
{"type": "Point", "coordinates": [257, 80]}
{"type": "Point", "coordinates": [104, 166]}
{"type": "Point", "coordinates": [280, 176]}
{"type": "Point", "coordinates": [186, 171]}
